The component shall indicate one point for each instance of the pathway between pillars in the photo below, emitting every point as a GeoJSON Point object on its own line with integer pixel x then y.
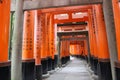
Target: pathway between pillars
{"type": "Point", "coordinates": [75, 70]}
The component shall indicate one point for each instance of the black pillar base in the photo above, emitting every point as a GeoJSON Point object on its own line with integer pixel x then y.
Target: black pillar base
{"type": "Point", "coordinates": [28, 69]}
{"type": "Point", "coordinates": [5, 71]}
{"type": "Point", "coordinates": [53, 64]}
{"type": "Point", "coordinates": [68, 58]}
{"type": "Point", "coordinates": [82, 57]}
{"type": "Point", "coordinates": [56, 60]}
{"type": "Point", "coordinates": [44, 63]}
{"type": "Point", "coordinates": [63, 60]}
{"type": "Point", "coordinates": [92, 63]}
{"type": "Point", "coordinates": [104, 70]}
{"type": "Point", "coordinates": [117, 73]}
{"type": "Point", "coordinates": [78, 56]}
{"type": "Point", "coordinates": [49, 63]}
{"type": "Point", "coordinates": [117, 69]}
{"type": "Point", "coordinates": [95, 63]}
{"type": "Point", "coordinates": [86, 58]}
{"type": "Point", "coordinates": [38, 73]}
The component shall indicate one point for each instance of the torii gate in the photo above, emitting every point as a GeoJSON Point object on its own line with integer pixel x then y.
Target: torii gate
{"type": "Point", "coordinates": [20, 6]}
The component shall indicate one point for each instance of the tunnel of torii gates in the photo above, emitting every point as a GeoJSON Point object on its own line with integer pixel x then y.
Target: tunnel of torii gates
{"type": "Point", "coordinates": [35, 39]}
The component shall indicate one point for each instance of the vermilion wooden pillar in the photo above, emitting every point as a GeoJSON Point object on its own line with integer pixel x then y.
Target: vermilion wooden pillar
{"type": "Point", "coordinates": [28, 36]}
{"type": "Point", "coordinates": [103, 52]}
{"type": "Point", "coordinates": [56, 43]}
{"type": "Point", "coordinates": [68, 52]}
{"type": "Point", "coordinates": [65, 51]}
{"type": "Point", "coordinates": [44, 59]}
{"type": "Point", "coordinates": [53, 36]}
{"type": "Point", "coordinates": [82, 50]}
{"type": "Point", "coordinates": [4, 29]}
{"type": "Point", "coordinates": [28, 46]}
{"type": "Point", "coordinates": [85, 48]}
{"type": "Point", "coordinates": [116, 10]}
{"type": "Point", "coordinates": [47, 44]}
{"type": "Point", "coordinates": [61, 52]}
{"type": "Point", "coordinates": [67, 56]}
{"type": "Point", "coordinates": [51, 41]}
{"type": "Point", "coordinates": [93, 43]}
{"type": "Point", "coordinates": [4, 39]}
{"type": "Point", "coordinates": [90, 23]}
{"type": "Point", "coordinates": [37, 45]}
{"type": "Point", "coordinates": [101, 32]}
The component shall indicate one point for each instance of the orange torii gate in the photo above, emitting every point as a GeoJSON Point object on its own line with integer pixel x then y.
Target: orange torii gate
{"type": "Point", "coordinates": [77, 48]}
{"type": "Point", "coordinates": [62, 38]}
{"type": "Point", "coordinates": [65, 55]}
{"type": "Point", "coordinates": [37, 45]}
{"type": "Point", "coordinates": [4, 39]}
{"type": "Point", "coordinates": [47, 47]}
{"type": "Point", "coordinates": [28, 64]}
{"type": "Point", "coordinates": [116, 11]}
{"type": "Point", "coordinates": [102, 43]}
{"type": "Point", "coordinates": [53, 3]}
{"type": "Point", "coordinates": [62, 54]}
{"type": "Point", "coordinates": [51, 46]}
{"type": "Point", "coordinates": [43, 43]}
{"type": "Point", "coordinates": [93, 43]}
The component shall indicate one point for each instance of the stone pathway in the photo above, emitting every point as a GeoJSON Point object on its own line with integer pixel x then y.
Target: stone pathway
{"type": "Point", "coordinates": [75, 70]}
